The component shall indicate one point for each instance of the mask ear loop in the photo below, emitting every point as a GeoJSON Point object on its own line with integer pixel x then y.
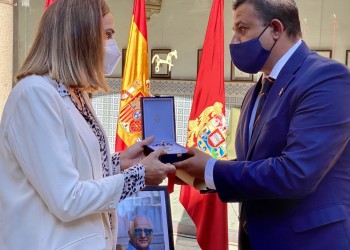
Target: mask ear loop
{"type": "Point", "coordinates": [263, 33]}
{"type": "Point", "coordinates": [273, 45]}
{"type": "Point", "coordinates": [264, 30]}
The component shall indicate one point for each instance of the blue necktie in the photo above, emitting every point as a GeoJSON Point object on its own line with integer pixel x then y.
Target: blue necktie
{"type": "Point", "coordinates": [266, 86]}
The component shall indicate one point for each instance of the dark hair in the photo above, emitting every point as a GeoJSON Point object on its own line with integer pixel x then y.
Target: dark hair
{"type": "Point", "coordinates": [284, 10]}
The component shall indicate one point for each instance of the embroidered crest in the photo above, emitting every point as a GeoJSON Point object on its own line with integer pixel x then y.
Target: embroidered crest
{"type": "Point", "coordinates": [208, 131]}
{"type": "Point", "coordinates": [130, 115]}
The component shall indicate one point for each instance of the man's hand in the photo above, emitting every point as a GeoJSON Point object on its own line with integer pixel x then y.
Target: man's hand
{"type": "Point", "coordinates": [195, 165]}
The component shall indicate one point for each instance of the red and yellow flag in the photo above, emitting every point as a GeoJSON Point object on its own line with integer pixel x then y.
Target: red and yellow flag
{"type": "Point", "coordinates": [48, 2]}
{"type": "Point", "coordinates": [207, 131]}
{"type": "Point", "coordinates": [135, 83]}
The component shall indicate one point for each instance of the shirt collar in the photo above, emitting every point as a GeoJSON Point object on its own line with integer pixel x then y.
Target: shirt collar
{"type": "Point", "coordinates": [62, 89]}
{"type": "Point", "coordinates": [283, 60]}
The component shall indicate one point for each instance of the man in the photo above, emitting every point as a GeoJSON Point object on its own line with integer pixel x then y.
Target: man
{"type": "Point", "coordinates": [140, 233]}
{"type": "Point", "coordinates": [292, 172]}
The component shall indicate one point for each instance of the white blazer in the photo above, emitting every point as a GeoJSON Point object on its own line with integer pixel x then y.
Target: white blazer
{"type": "Point", "coordinates": [52, 194]}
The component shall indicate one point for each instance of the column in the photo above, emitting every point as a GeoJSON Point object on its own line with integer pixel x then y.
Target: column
{"type": "Point", "coordinates": [6, 50]}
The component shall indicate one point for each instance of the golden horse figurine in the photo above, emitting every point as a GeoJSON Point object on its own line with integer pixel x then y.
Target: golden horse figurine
{"type": "Point", "coordinates": [168, 60]}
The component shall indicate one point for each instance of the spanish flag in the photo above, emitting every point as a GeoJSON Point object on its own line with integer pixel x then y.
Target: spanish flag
{"type": "Point", "coordinates": [135, 83]}
{"type": "Point", "coordinates": [207, 131]}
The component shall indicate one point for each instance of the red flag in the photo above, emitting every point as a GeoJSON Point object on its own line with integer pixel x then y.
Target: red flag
{"type": "Point", "coordinates": [48, 2]}
{"type": "Point", "coordinates": [135, 83]}
{"type": "Point", "coordinates": [207, 130]}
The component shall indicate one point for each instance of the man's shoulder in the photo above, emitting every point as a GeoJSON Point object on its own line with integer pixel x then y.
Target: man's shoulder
{"type": "Point", "coordinates": [130, 247]}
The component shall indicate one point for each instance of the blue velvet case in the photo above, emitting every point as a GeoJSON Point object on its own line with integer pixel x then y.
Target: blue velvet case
{"type": "Point", "coordinates": [158, 119]}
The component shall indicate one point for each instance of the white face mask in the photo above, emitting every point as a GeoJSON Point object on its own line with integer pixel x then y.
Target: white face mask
{"type": "Point", "coordinates": [112, 56]}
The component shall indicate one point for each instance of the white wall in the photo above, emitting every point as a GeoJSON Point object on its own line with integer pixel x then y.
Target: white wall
{"type": "Point", "coordinates": [181, 25]}
{"type": "Point", "coordinates": [319, 30]}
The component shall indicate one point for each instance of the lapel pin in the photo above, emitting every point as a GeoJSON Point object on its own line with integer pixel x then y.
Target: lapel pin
{"type": "Point", "coordinates": [281, 91]}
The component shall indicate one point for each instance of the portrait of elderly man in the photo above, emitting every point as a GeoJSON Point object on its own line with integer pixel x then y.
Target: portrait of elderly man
{"type": "Point", "coordinates": [140, 233]}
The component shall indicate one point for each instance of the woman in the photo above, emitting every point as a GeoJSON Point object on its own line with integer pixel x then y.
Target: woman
{"type": "Point", "coordinates": [59, 184]}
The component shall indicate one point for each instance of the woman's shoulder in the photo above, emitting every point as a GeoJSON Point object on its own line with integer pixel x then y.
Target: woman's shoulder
{"type": "Point", "coordinates": [30, 92]}
{"type": "Point", "coordinates": [31, 88]}
{"type": "Point", "coordinates": [33, 85]}
{"type": "Point", "coordinates": [35, 81]}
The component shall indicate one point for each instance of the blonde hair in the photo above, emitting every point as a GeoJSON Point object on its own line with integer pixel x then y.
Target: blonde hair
{"type": "Point", "coordinates": [69, 45]}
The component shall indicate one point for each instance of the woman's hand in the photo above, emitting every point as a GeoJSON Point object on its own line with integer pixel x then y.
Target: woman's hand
{"type": "Point", "coordinates": [156, 171]}
{"type": "Point", "coordinates": [134, 154]}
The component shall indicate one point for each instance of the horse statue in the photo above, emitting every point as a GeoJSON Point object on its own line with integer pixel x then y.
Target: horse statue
{"type": "Point", "coordinates": [168, 60]}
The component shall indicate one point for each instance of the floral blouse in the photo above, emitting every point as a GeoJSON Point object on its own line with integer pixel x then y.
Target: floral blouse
{"type": "Point", "coordinates": [134, 177]}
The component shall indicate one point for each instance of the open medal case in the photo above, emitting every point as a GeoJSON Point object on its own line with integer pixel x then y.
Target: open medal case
{"type": "Point", "coordinates": [158, 119]}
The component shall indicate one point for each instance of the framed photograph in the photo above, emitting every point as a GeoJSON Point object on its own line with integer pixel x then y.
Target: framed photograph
{"type": "Point", "coordinates": [146, 215]}
{"type": "Point", "coordinates": [123, 60]}
{"type": "Point", "coordinates": [237, 75]}
{"type": "Point", "coordinates": [199, 57]}
{"type": "Point", "coordinates": [347, 58]}
{"type": "Point", "coordinates": [160, 66]}
{"type": "Point", "coordinates": [324, 52]}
